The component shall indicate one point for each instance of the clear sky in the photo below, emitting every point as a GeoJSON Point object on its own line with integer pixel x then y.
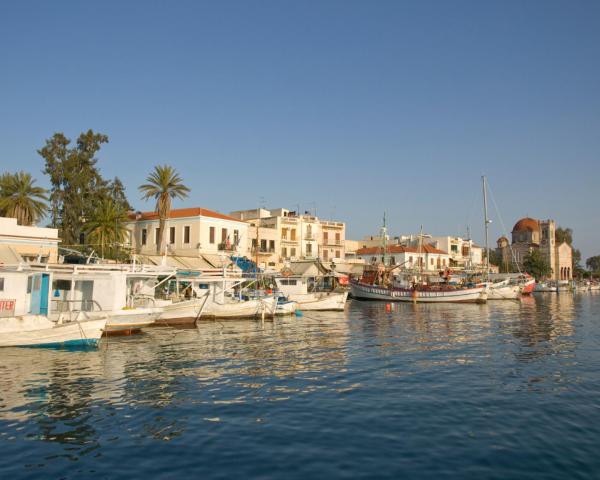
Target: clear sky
{"type": "Point", "coordinates": [355, 107]}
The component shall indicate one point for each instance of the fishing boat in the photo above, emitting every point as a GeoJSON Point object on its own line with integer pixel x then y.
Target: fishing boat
{"type": "Point", "coordinates": [322, 295]}
{"type": "Point", "coordinates": [194, 296]}
{"type": "Point", "coordinates": [98, 291]}
{"type": "Point", "coordinates": [378, 283]}
{"type": "Point", "coordinates": [545, 287]}
{"type": "Point", "coordinates": [25, 313]}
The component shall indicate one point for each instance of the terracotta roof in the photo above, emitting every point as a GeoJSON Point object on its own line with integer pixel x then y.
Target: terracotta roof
{"type": "Point", "coordinates": [184, 212]}
{"type": "Point", "coordinates": [427, 248]}
{"type": "Point", "coordinates": [526, 223]}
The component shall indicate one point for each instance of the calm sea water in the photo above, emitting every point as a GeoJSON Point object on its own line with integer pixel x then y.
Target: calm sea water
{"type": "Point", "coordinates": [503, 390]}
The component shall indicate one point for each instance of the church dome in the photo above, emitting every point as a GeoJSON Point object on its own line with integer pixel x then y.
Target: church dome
{"type": "Point", "coordinates": [526, 224]}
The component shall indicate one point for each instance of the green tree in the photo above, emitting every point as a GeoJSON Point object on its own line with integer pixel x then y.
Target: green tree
{"type": "Point", "coordinates": [77, 185]}
{"type": "Point", "coordinates": [21, 199]}
{"type": "Point", "coordinates": [106, 227]}
{"type": "Point", "coordinates": [536, 265]}
{"type": "Point", "coordinates": [593, 263]}
{"type": "Point", "coordinates": [564, 235]}
{"type": "Point", "coordinates": [116, 191]}
{"type": "Point", "coordinates": [164, 184]}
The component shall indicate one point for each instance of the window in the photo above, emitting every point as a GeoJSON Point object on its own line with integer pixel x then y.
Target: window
{"type": "Point", "coordinates": [284, 233]}
{"type": "Point", "coordinates": [254, 243]}
{"type": "Point", "coordinates": [157, 235]}
{"type": "Point", "coordinates": [186, 234]}
{"type": "Point", "coordinates": [144, 236]}
{"type": "Point", "coordinates": [263, 245]}
{"type": "Point", "coordinates": [410, 260]}
{"type": "Point", "coordinates": [431, 261]}
{"type": "Point", "coordinates": [293, 234]}
{"type": "Point", "coordinates": [308, 248]}
{"type": "Point", "coordinates": [2, 285]}
{"type": "Point", "coordinates": [211, 235]}
{"type": "Point", "coordinates": [223, 235]}
{"type": "Point", "coordinates": [292, 252]}
{"type": "Point", "coordinates": [236, 237]}
{"type": "Point", "coordinates": [284, 252]}
{"type": "Point", "coordinates": [325, 254]}
{"type": "Point", "coordinates": [439, 262]}
{"type": "Point", "coordinates": [337, 254]}
{"type": "Point", "coordinates": [172, 235]}
{"type": "Point", "coordinates": [454, 248]}
{"type": "Point", "coordinates": [325, 237]}
{"type": "Point", "coordinates": [337, 238]}
{"type": "Point", "coordinates": [29, 283]}
{"type": "Point", "coordinates": [271, 245]}
{"type": "Point", "coordinates": [309, 231]}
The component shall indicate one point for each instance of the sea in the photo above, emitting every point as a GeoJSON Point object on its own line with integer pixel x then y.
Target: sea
{"type": "Point", "coordinates": [508, 389]}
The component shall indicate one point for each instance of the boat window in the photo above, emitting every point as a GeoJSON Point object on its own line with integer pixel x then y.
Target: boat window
{"type": "Point", "coordinates": [1, 284]}
{"type": "Point", "coordinates": [61, 285]}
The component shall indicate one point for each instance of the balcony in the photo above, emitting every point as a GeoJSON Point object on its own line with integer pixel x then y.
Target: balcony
{"type": "Point", "coordinates": [262, 251]}
{"type": "Point", "coordinates": [333, 243]}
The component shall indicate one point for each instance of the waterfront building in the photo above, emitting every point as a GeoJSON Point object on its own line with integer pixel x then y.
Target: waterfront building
{"type": "Point", "coordinates": [191, 233]}
{"type": "Point", "coordinates": [289, 236]}
{"type": "Point", "coordinates": [463, 252]}
{"type": "Point", "coordinates": [530, 234]}
{"type": "Point", "coordinates": [427, 257]}
{"type": "Point", "coordinates": [31, 243]}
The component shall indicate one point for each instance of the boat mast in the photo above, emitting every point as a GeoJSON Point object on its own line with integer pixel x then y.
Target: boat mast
{"type": "Point", "coordinates": [421, 260]}
{"type": "Point", "coordinates": [384, 240]}
{"type": "Point", "coordinates": [487, 221]}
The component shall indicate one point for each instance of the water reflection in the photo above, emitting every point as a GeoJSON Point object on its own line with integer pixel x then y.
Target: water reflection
{"type": "Point", "coordinates": [208, 382]}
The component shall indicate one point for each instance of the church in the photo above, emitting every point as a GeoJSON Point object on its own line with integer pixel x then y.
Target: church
{"type": "Point", "coordinates": [530, 234]}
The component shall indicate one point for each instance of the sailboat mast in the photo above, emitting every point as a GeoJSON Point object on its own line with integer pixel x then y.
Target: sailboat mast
{"type": "Point", "coordinates": [486, 223]}
{"type": "Point", "coordinates": [384, 240]}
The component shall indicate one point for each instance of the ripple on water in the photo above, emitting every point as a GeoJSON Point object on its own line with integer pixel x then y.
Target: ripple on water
{"type": "Point", "coordinates": [502, 390]}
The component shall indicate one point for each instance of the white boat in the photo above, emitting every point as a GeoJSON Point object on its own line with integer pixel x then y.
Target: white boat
{"type": "Point", "coordinates": [503, 290]}
{"type": "Point", "coordinates": [212, 297]}
{"type": "Point", "coordinates": [25, 312]}
{"type": "Point", "coordinates": [98, 291]}
{"type": "Point", "coordinates": [285, 307]}
{"type": "Point", "coordinates": [423, 294]}
{"type": "Point", "coordinates": [322, 301]}
{"type": "Point", "coordinates": [296, 288]}
{"type": "Point", "coordinates": [545, 287]}
{"type": "Point", "coordinates": [40, 331]}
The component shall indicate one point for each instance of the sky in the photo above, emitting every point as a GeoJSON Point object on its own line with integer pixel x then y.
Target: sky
{"type": "Point", "coordinates": [351, 108]}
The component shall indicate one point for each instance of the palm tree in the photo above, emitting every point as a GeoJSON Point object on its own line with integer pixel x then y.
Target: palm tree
{"type": "Point", "coordinates": [106, 227]}
{"type": "Point", "coordinates": [164, 184]}
{"type": "Point", "coordinates": [21, 199]}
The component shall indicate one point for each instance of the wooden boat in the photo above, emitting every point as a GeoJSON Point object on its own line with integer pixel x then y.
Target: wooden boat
{"type": "Point", "coordinates": [503, 290]}
{"type": "Point", "coordinates": [419, 293]}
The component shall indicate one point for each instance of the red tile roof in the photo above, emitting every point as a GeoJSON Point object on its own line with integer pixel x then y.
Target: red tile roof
{"type": "Point", "coordinates": [426, 248]}
{"type": "Point", "coordinates": [184, 212]}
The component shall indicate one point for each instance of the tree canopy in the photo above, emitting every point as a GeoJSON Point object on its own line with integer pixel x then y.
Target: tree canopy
{"type": "Point", "coordinates": [593, 263]}
{"type": "Point", "coordinates": [21, 199]}
{"type": "Point", "coordinates": [536, 265]}
{"type": "Point", "coordinates": [77, 187]}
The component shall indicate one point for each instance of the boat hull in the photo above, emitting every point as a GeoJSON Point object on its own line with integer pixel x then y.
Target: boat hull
{"type": "Point", "coordinates": [286, 308]}
{"type": "Point", "coordinates": [506, 292]}
{"type": "Point", "coordinates": [335, 301]}
{"type": "Point", "coordinates": [189, 311]}
{"type": "Point", "coordinates": [39, 331]}
{"type": "Point", "coordinates": [373, 292]}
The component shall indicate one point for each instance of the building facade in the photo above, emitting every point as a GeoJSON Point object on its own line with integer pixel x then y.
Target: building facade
{"type": "Point", "coordinates": [427, 257]}
{"type": "Point", "coordinates": [190, 232]}
{"type": "Point", "coordinates": [287, 236]}
{"type": "Point", "coordinates": [530, 234]}
{"type": "Point", "coordinates": [34, 244]}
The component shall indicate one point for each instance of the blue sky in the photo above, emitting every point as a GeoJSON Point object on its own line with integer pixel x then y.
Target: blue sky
{"type": "Point", "coordinates": [355, 107]}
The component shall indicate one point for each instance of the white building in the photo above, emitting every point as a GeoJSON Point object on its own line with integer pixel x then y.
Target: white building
{"type": "Point", "coordinates": [191, 232]}
{"type": "Point", "coordinates": [463, 253]}
{"type": "Point", "coordinates": [36, 244]}
{"type": "Point", "coordinates": [283, 236]}
{"type": "Point", "coordinates": [427, 257]}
